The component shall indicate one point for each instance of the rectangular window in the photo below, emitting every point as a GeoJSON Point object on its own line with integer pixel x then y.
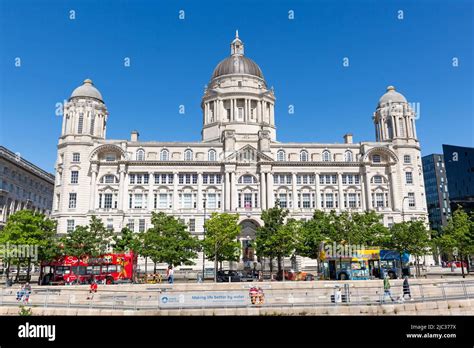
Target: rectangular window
{"type": "Point", "coordinates": [141, 225]}
{"type": "Point", "coordinates": [76, 157]}
{"type": "Point", "coordinates": [211, 201]}
{"type": "Point", "coordinates": [81, 123]}
{"type": "Point", "coordinates": [131, 225]}
{"type": "Point", "coordinates": [247, 200]}
{"type": "Point", "coordinates": [138, 202]}
{"type": "Point", "coordinates": [132, 178]}
{"type": "Point", "coordinates": [74, 177]}
{"type": "Point", "coordinates": [70, 225]}
{"type": "Point", "coordinates": [333, 179]}
{"type": "Point", "coordinates": [72, 200]}
{"type": "Point", "coordinates": [411, 200]}
{"type": "Point", "coordinates": [146, 178]}
{"type": "Point", "coordinates": [163, 201]}
{"type": "Point", "coordinates": [376, 158]}
{"type": "Point", "coordinates": [110, 224]}
{"type": "Point", "coordinates": [298, 179]}
{"type": "Point", "coordinates": [240, 114]}
{"type": "Point", "coordinates": [139, 178]}
{"type": "Point", "coordinates": [110, 157]}
{"type": "Point", "coordinates": [192, 225]}
{"type": "Point", "coordinates": [407, 159]}
{"type": "Point", "coordinates": [409, 177]}
{"type": "Point", "coordinates": [187, 200]}
{"type": "Point", "coordinates": [379, 200]}
{"type": "Point", "coordinates": [108, 200]}
{"type": "Point", "coordinates": [282, 198]}
{"type": "Point", "coordinates": [329, 200]}
{"type": "Point", "coordinates": [352, 200]}
{"type": "Point", "coordinates": [306, 200]}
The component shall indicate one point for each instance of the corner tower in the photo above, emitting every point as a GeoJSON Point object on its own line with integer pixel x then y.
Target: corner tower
{"type": "Point", "coordinates": [237, 102]}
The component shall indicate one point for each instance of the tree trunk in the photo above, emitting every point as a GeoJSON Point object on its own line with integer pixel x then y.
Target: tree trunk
{"type": "Point", "coordinates": [215, 263]}
{"type": "Point", "coordinates": [154, 268]}
{"type": "Point", "coordinates": [467, 264]}
{"type": "Point", "coordinates": [271, 267]}
{"type": "Point", "coordinates": [146, 263]}
{"type": "Point", "coordinates": [7, 270]}
{"type": "Point", "coordinates": [462, 266]}
{"type": "Point", "coordinates": [28, 265]}
{"type": "Point", "coordinates": [279, 263]}
{"type": "Point", "coordinates": [17, 278]}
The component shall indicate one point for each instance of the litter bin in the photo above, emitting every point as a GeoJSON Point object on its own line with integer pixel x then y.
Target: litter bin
{"type": "Point", "coordinates": [9, 282]}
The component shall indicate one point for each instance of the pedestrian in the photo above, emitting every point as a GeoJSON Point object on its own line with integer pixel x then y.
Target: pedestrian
{"type": "Point", "coordinates": [406, 288]}
{"type": "Point", "coordinates": [453, 266]}
{"type": "Point", "coordinates": [386, 288]}
{"type": "Point", "coordinates": [338, 295]}
{"type": "Point", "coordinates": [92, 289]}
{"type": "Point", "coordinates": [170, 274]}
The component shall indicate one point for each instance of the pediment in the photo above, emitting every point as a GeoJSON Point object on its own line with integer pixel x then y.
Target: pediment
{"type": "Point", "coordinates": [248, 153]}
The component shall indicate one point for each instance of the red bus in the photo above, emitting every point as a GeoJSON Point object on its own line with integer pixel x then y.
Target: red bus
{"type": "Point", "coordinates": [108, 268]}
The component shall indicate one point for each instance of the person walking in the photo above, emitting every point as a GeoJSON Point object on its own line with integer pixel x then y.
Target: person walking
{"type": "Point", "coordinates": [386, 288]}
{"type": "Point", "coordinates": [406, 288]}
{"type": "Point", "coordinates": [170, 274]}
{"type": "Point", "coordinates": [338, 295]}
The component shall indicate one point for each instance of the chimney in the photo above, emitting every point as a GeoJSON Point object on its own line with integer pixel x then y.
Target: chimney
{"type": "Point", "coordinates": [348, 138]}
{"type": "Point", "coordinates": [134, 135]}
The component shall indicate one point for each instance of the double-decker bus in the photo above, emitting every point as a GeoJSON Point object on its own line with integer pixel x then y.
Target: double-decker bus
{"type": "Point", "coordinates": [108, 269]}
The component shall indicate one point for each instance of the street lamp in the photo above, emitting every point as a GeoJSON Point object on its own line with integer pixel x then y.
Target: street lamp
{"type": "Point", "coordinates": [204, 237]}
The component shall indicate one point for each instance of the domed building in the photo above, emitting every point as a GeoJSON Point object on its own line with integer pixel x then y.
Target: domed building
{"type": "Point", "coordinates": [238, 166]}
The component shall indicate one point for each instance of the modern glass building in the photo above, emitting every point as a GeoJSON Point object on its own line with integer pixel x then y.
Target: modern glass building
{"type": "Point", "coordinates": [459, 163]}
{"type": "Point", "coordinates": [436, 187]}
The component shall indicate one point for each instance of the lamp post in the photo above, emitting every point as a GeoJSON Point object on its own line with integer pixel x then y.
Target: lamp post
{"type": "Point", "coordinates": [204, 237]}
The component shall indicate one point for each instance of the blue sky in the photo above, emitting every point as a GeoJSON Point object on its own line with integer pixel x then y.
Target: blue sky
{"type": "Point", "coordinates": [172, 60]}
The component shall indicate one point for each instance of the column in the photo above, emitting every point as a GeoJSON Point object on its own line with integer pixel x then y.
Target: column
{"type": "Point", "coordinates": [396, 134]}
{"type": "Point", "coordinates": [233, 189]}
{"type": "Point", "coordinates": [125, 197]}
{"type": "Point", "coordinates": [263, 200]}
{"type": "Point", "coordinates": [121, 188]}
{"type": "Point", "coordinates": [368, 196]}
{"type": "Point", "coordinates": [232, 110]}
{"type": "Point", "coordinates": [175, 192]}
{"type": "Point", "coordinates": [199, 193]}
{"type": "Point", "coordinates": [341, 191]}
{"type": "Point", "coordinates": [259, 111]}
{"type": "Point", "coordinates": [226, 192]}
{"type": "Point", "coordinates": [270, 195]}
{"type": "Point", "coordinates": [362, 192]}
{"type": "Point", "coordinates": [151, 205]}
{"type": "Point", "coordinates": [294, 193]}
{"type": "Point", "coordinates": [318, 191]}
{"type": "Point", "coordinates": [394, 191]}
{"type": "Point", "coordinates": [92, 192]}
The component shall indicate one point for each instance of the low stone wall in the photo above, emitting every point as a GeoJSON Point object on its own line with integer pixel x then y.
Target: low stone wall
{"type": "Point", "coordinates": [445, 308]}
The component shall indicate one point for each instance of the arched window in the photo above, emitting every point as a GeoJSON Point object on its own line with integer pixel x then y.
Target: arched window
{"type": "Point", "coordinates": [377, 179]}
{"type": "Point", "coordinates": [247, 179]}
{"type": "Point", "coordinates": [348, 156]}
{"type": "Point", "coordinates": [326, 156]}
{"type": "Point", "coordinates": [401, 123]}
{"type": "Point", "coordinates": [164, 155]}
{"type": "Point", "coordinates": [140, 155]}
{"type": "Point", "coordinates": [188, 155]}
{"type": "Point", "coordinates": [281, 156]}
{"type": "Point", "coordinates": [304, 156]}
{"type": "Point", "coordinates": [211, 155]}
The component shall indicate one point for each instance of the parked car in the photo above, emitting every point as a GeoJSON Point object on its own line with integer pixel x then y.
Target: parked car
{"type": "Point", "coordinates": [223, 276]}
{"type": "Point", "coordinates": [457, 263]}
{"type": "Point", "coordinates": [292, 275]}
{"type": "Point", "coordinates": [248, 276]}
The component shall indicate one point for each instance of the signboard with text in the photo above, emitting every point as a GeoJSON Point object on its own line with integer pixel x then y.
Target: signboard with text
{"type": "Point", "coordinates": [205, 299]}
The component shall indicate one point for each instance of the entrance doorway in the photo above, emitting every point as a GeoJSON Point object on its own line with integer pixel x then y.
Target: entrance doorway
{"type": "Point", "coordinates": [248, 232]}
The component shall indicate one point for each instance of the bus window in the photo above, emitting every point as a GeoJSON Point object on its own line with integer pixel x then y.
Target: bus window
{"type": "Point", "coordinates": [119, 268]}
{"type": "Point", "coordinates": [89, 270]}
{"type": "Point", "coordinates": [81, 270]}
{"type": "Point", "coordinates": [95, 269]}
{"type": "Point", "coordinates": [112, 268]}
{"type": "Point", "coordinates": [63, 270]}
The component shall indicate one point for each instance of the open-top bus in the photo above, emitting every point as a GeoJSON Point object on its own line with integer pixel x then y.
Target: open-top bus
{"type": "Point", "coordinates": [108, 269]}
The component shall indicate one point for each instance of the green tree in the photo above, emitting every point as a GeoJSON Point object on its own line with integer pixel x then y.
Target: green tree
{"type": "Point", "coordinates": [368, 229]}
{"type": "Point", "coordinates": [125, 241]}
{"type": "Point", "coordinates": [313, 233]}
{"type": "Point", "coordinates": [220, 242]}
{"type": "Point", "coordinates": [28, 229]}
{"type": "Point", "coordinates": [458, 236]}
{"type": "Point", "coordinates": [169, 241]}
{"type": "Point", "coordinates": [92, 240]}
{"type": "Point", "coordinates": [274, 219]}
{"type": "Point", "coordinates": [411, 237]}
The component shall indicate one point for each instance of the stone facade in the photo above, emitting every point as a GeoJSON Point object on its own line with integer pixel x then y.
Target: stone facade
{"type": "Point", "coordinates": [238, 167]}
{"type": "Point", "coordinates": [23, 186]}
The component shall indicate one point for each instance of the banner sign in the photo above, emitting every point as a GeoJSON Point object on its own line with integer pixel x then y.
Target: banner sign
{"type": "Point", "coordinates": [205, 299]}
